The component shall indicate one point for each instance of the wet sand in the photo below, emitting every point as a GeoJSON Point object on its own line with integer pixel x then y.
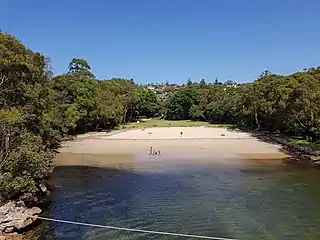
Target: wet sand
{"type": "Point", "coordinates": [207, 145]}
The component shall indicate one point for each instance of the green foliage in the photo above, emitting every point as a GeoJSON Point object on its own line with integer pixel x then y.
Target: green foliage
{"type": "Point", "coordinates": [28, 125]}
{"type": "Point", "coordinates": [195, 112]}
{"type": "Point", "coordinates": [285, 104]}
{"type": "Point", "coordinates": [25, 166]}
{"type": "Point", "coordinates": [203, 83]}
{"type": "Point", "coordinates": [78, 65]}
{"type": "Point", "coordinates": [10, 116]}
{"type": "Point", "coordinates": [180, 103]}
{"type": "Point", "coordinates": [146, 103]}
{"type": "Point", "coordinates": [151, 123]}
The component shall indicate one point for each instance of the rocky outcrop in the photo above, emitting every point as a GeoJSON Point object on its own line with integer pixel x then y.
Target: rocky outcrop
{"type": "Point", "coordinates": [15, 216]}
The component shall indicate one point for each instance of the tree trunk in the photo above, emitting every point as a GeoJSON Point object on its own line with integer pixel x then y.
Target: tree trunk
{"type": "Point", "coordinates": [129, 120]}
{"type": "Point", "coordinates": [124, 115]}
{"type": "Point", "coordinates": [257, 120]}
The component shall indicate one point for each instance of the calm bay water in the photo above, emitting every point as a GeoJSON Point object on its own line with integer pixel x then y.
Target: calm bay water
{"type": "Point", "coordinates": [242, 202]}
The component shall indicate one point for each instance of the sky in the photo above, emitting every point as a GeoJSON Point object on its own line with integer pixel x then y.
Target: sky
{"type": "Point", "coordinates": [170, 40]}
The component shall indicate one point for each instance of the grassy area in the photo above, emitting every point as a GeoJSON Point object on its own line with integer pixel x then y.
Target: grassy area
{"type": "Point", "coordinates": [150, 123]}
{"type": "Point", "coordinates": [304, 143]}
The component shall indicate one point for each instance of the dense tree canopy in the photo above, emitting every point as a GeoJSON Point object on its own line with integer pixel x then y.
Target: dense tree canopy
{"type": "Point", "coordinates": [146, 103]}
{"type": "Point", "coordinates": [180, 103]}
{"type": "Point", "coordinates": [286, 104]}
{"type": "Point", "coordinates": [38, 109]}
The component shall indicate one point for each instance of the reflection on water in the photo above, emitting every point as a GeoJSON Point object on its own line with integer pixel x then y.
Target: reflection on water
{"type": "Point", "coordinates": [261, 202]}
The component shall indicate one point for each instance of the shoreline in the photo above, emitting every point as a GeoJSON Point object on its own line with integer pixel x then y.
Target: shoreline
{"type": "Point", "coordinates": [196, 144]}
{"type": "Point", "coordinates": [293, 152]}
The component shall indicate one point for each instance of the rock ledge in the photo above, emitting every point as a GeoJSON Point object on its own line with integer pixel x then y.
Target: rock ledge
{"type": "Point", "coordinates": [14, 216]}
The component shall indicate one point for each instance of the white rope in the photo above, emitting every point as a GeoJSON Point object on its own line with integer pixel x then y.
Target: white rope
{"type": "Point", "coordinates": [131, 229]}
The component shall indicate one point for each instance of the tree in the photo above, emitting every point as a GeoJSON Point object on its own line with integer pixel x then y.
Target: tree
{"type": "Point", "coordinates": [189, 83]}
{"type": "Point", "coordinates": [265, 73]}
{"type": "Point", "coordinates": [25, 100]}
{"type": "Point", "coordinates": [146, 102]}
{"type": "Point", "coordinates": [79, 65]}
{"type": "Point", "coordinates": [180, 103]}
{"type": "Point", "coordinates": [203, 83]}
{"type": "Point", "coordinates": [26, 166]}
{"type": "Point", "coordinates": [196, 113]}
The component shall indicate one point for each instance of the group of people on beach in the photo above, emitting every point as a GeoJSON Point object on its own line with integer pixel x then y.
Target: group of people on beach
{"type": "Point", "coordinates": [154, 152]}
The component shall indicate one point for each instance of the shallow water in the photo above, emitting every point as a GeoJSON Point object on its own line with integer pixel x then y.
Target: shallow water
{"type": "Point", "coordinates": [241, 202]}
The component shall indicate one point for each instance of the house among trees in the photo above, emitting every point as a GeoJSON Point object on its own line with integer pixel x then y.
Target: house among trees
{"type": "Point", "coordinates": [163, 97]}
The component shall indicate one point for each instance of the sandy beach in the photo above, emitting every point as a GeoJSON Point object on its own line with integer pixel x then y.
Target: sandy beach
{"type": "Point", "coordinates": [208, 144]}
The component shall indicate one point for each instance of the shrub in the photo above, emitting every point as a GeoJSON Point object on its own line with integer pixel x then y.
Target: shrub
{"type": "Point", "coordinates": [25, 166]}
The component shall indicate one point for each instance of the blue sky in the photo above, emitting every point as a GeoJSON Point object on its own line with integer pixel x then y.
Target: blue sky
{"type": "Point", "coordinates": [159, 40]}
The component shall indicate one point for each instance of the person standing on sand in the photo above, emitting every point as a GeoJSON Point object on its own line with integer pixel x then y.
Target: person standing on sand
{"type": "Point", "coordinates": [150, 153]}
{"type": "Point", "coordinates": [158, 152]}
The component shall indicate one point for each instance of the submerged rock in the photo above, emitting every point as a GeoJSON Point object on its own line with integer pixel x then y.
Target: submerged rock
{"type": "Point", "coordinates": [14, 216]}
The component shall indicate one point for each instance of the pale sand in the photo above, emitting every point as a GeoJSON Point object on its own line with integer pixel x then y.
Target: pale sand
{"type": "Point", "coordinates": [174, 133]}
{"type": "Point", "coordinates": [195, 143]}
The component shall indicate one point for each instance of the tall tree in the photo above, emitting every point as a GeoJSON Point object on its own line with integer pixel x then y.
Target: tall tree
{"type": "Point", "coordinates": [78, 65]}
{"type": "Point", "coordinates": [180, 103]}
{"type": "Point", "coordinates": [203, 83]}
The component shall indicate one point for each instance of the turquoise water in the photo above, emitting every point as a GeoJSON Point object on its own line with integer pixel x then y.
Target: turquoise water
{"type": "Point", "coordinates": [242, 202]}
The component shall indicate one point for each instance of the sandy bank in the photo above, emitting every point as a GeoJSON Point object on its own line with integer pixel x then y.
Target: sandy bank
{"type": "Point", "coordinates": [175, 133]}
{"type": "Point", "coordinates": [212, 146]}
{"type": "Point", "coordinates": [208, 144]}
